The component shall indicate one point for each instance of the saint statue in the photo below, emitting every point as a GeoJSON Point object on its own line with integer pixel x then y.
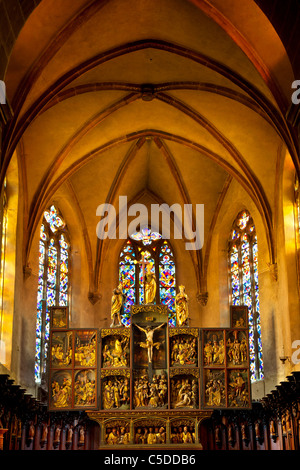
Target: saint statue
{"type": "Point", "coordinates": [181, 306]}
{"type": "Point", "coordinates": [150, 285]}
{"type": "Point", "coordinates": [149, 344]}
{"type": "Point", "coordinates": [117, 305]}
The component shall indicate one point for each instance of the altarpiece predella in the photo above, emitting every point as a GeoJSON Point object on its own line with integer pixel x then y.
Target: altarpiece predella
{"type": "Point", "coordinates": [150, 384]}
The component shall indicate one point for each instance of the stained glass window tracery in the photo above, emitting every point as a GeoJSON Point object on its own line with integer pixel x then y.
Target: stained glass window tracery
{"type": "Point", "coordinates": [53, 280]}
{"type": "Point", "coordinates": [158, 252]}
{"type": "Point", "coordinates": [244, 289]}
{"type": "Point", "coordinates": [146, 236]}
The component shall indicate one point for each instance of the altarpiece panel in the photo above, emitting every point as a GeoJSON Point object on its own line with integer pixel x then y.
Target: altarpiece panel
{"type": "Point", "coordinates": [73, 369]}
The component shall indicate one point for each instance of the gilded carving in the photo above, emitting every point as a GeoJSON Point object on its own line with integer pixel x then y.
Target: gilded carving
{"type": "Point", "coordinates": [61, 389]}
{"type": "Point", "coordinates": [214, 388]}
{"type": "Point", "coordinates": [150, 435]}
{"type": "Point", "coordinates": [61, 351]}
{"type": "Point", "coordinates": [238, 389]}
{"type": "Point", "coordinates": [183, 350]}
{"type": "Point", "coordinates": [115, 351]}
{"type": "Point", "coordinates": [181, 306]}
{"type": "Point", "coordinates": [162, 309]}
{"type": "Point", "coordinates": [214, 347]}
{"type": "Point", "coordinates": [85, 348]}
{"type": "Point", "coordinates": [237, 348]}
{"type": "Point", "coordinates": [150, 393]}
{"type": "Point", "coordinates": [184, 392]}
{"type": "Point", "coordinates": [85, 388]}
{"type": "Point", "coordinates": [117, 433]}
{"type": "Point", "coordinates": [184, 331]}
{"type": "Point", "coordinates": [115, 392]}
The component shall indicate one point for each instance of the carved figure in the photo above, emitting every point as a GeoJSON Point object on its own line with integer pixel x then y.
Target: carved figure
{"type": "Point", "coordinates": [85, 352]}
{"type": "Point", "coordinates": [44, 433]}
{"type": "Point", "coordinates": [208, 353]}
{"type": "Point", "coordinates": [150, 393]}
{"type": "Point", "coordinates": [124, 437]}
{"type": "Point", "coordinates": [149, 344]}
{"type": "Point", "coordinates": [117, 305]}
{"type": "Point", "coordinates": [113, 438]}
{"type": "Point", "coordinates": [184, 351]}
{"type": "Point", "coordinates": [115, 393]}
{"type": "Point", "coordinates": [181, 306]}
{"type": "Point", "coordinates": [186, 436]}
{"type": "Point", "coordinates": [115, 352]}
{"type": "Point", "coordinates": [150, 285]}
{"type": "Point", "coordinates": [61, 395]}
{"type": "Point", "coordinates": [69, 435]}
{"type": "Point", "coordinates": [184, 395]}
{"type": "Point", "coordinates": [215, 392]}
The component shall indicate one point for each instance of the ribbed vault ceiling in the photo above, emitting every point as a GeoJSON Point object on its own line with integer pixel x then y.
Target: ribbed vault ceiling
{"type": "Point", "coordinates": [134, 97]}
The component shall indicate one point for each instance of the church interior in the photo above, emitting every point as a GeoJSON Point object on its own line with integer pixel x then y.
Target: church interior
{"type": "Point", "coordinates": [113, 108]}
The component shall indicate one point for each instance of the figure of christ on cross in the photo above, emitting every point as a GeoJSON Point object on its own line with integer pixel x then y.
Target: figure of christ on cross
{"type": "Point", "coordinates": [149, 344]}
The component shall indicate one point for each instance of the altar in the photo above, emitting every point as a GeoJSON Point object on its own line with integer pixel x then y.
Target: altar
{"type": "Point", "coordinates": [150, 384]}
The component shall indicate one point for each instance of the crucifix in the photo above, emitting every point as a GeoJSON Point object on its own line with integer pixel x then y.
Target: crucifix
{"type": "Point", "coordinates": [149, 344]}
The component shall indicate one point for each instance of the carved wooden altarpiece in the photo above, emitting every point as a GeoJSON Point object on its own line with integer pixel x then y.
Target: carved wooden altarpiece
{"type": "Point", "coordinates": [150, 384]}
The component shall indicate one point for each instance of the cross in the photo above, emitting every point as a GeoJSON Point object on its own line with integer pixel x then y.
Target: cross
{"type": "Point", "coordinates": [143, 263]}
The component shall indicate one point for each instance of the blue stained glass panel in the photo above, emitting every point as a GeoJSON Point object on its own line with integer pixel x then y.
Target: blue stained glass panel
{"type": "Point", "coordinates": [167, 280]}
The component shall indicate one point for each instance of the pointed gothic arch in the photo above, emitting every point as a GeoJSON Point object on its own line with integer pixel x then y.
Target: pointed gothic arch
{"type": "Point", "coordinates": [243, 280]}
{"type": "Point", "coordinates": [53, 280]}
{"type": "Point", "coordinates": [153, 249]}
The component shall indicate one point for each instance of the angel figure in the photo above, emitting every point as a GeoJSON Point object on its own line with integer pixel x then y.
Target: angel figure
{"type": "Point", "coordinates": [149, 344]}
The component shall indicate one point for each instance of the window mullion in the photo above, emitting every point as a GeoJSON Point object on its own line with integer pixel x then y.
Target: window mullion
{"type": "Point", "coordinates": [254, 311]}
{"type": "Point", "coordinates": [44, 308]}
{"type": "Point", "coordinates": [240, 264]}
{"type": "Point", "coordinates": [57, 245]}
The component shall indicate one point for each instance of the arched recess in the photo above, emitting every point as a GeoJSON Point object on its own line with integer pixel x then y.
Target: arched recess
{"type": "Point", "coordinates": [244, 286]}
{"type": "Point", "coordinates": [9, 263]}
{"type": "Point", "coordinates": [186, 268]}
{"type": "Point", "coordinates": [288, 326]}
{"type": "Point", "coordinates": [53, 281]}
{"type": "Point", "coordinates": [234, 201]}
{"type": "Point", "coordinates": [147, 247]}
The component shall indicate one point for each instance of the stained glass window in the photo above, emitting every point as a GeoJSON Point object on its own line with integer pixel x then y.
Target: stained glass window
{"type": "Point", "coordinates": [53, 280]}
{"type": "Point", "coordinates": [147, 247]}
{"type": "Point", "coordinates": [243, 276]}
{"type": "Point", "coordinates": [127, 274]}
{"type": "Point", "coordinates": [167, 284]}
